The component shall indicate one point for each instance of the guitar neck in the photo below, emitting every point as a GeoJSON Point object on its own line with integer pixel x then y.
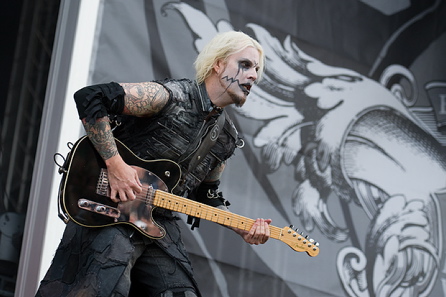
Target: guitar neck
{"type": "Point", "coordinates": [199, 210]}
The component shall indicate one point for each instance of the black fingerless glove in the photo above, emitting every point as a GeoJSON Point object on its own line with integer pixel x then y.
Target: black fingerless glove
{"type": "Point", "coordinates": [100, 100]}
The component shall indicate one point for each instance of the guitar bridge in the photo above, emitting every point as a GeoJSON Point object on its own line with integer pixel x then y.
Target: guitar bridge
{"type": "Point", "coordinates": [102, 187]}
{"type": "Point", "coordinates": [99, 208]}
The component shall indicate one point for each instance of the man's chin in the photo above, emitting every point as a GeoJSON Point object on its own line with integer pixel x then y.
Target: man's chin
{"type": "Point", "coordinates": [239, 104]}
{"type": "Point", "coordinates": [238, 101]}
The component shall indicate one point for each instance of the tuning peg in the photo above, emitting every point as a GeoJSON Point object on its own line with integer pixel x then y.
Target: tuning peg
{"type": "Point", "coordinates": [291, 226]}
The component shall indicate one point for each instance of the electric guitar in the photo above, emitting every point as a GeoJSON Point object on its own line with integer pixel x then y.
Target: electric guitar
{"type": "Point", "coordinates": [84, 197]}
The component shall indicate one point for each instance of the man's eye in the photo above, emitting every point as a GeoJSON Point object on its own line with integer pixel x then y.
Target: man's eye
{"type": "Point", "coordinates": [245, 65]}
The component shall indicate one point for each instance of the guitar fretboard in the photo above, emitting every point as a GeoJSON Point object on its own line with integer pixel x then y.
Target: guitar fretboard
{"type": "Point", "coordinates": [183, 205]}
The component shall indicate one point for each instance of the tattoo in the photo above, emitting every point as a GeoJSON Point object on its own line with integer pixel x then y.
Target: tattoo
{"type": "Point", "coordinates": [144, 99]}
{"type": "Point", "coordinates": [101, 136]}
{"type": "Point", "coordinates": [216, 173]}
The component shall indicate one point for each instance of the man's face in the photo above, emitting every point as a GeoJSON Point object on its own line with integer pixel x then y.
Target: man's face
{"type": "Point", "coordinates": [239, 73]}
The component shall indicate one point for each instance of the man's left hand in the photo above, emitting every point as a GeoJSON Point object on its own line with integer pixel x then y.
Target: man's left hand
{"type": "Point", "coordinates": [259, 232]}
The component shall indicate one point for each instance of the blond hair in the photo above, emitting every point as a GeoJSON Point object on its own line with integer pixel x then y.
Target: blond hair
{"type": "Point", "coordinates": [220, 48]}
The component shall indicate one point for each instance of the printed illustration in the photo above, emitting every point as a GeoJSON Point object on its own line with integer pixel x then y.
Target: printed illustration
{"type": "Point", "coordinates": [369, 141]}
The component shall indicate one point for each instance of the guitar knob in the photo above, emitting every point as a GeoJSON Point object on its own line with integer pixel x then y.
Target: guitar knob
{"type": "Point", "coordinates": [100, 208]}
{"type": "Point", "coordinates": [84, 203]}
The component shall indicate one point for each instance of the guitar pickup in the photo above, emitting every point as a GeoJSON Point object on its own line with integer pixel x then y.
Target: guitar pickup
{"type": "Point", "coordinates": [99, 208]}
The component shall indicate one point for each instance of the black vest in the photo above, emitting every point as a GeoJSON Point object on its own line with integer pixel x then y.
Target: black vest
{"type": "Point", "coordinates": [175, 133]}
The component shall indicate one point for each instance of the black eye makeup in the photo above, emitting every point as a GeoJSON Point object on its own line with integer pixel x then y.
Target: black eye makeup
{"type": "Point", "coordinates": [246, 64]}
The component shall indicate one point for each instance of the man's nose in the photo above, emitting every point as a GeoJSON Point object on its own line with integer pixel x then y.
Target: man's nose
{"type": "Point", "coordinates": [252, 74]}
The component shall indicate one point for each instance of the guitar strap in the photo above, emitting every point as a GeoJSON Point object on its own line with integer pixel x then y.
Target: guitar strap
{"type": "Point", "coordinates": [203, 143]}
{"type": "Point", "coordinates": [208, 141]}
{"type": "Point", "coordinates": [206, 145]}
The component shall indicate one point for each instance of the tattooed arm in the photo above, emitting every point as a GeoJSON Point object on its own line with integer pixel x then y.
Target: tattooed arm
{"type": "Point", "coordinates": [141, 100]}
{"type": "Point", "coordinates": [144, 99]}
{"type": "Point", "coordinates": [216, 173]}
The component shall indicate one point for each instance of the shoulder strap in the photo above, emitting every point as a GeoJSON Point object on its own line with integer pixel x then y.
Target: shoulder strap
{"type": "Point", "coordinates": [208, 141]}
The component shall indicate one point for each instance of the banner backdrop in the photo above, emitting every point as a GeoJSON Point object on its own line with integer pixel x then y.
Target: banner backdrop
{"type": "Point", "coordinates": [344, 138]}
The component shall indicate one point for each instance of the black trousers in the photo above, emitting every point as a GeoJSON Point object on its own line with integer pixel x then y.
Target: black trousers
{"type": "Point", "coordinates": [114, 261]}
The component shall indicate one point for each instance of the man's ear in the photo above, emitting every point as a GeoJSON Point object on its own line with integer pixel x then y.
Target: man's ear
{"type": "Point", "coordinates": [219, 65]}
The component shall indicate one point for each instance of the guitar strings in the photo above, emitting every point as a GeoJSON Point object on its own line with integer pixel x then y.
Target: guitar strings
{"type": "Point", "coordinates": [149, 196]}
{"type": "Point", "coordinates": [164, 199]}
{"type": "Point", "coordinates": [168, 200]}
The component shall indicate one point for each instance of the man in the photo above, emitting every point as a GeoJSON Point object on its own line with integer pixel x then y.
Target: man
{"type": "Point", "coordinates": [157, 120]}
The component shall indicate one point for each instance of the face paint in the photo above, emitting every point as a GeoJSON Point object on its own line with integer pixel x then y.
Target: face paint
{"type": "Point", "coordinates": [239, 75]}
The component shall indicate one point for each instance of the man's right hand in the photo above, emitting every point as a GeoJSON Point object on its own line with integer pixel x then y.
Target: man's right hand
{"type": "Point", "coordinates": [124, 181]}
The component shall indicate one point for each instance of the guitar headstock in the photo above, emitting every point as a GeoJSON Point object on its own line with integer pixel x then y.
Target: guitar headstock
{"type": "Point", "coordinates": [298, 241]}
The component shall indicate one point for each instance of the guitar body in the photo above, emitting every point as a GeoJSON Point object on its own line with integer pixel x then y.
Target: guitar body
{"type": "Point", "coordinates": [84, 191]}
